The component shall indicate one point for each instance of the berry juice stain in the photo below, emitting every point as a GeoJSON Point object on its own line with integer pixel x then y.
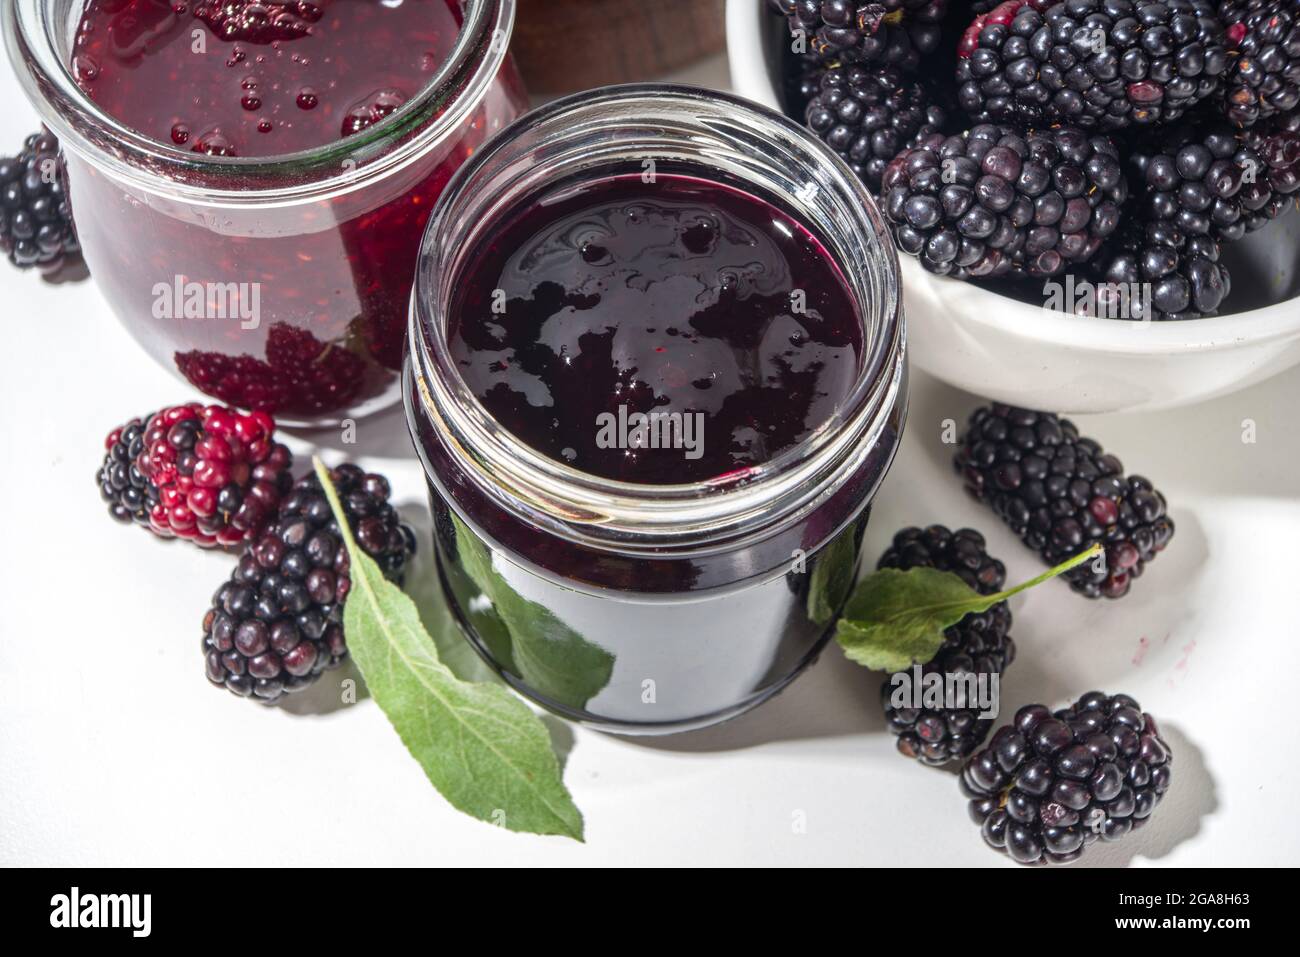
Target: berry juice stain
{"type": "Point", "coordinates": [682, 296]}
{"type": "Point", "coordinates": [255, 77]}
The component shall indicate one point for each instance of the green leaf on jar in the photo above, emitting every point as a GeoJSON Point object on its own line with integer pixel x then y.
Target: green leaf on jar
{"type": "Point", "coordinates": [833, 572]}
{"type": "Point", "coordinates": [527, 638]}
{"type": "Point", "coordinates": [484, 750]}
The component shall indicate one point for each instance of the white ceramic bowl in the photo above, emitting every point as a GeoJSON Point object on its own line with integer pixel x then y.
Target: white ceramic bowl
{"type": "Point", "coordinates": [1023, 354]}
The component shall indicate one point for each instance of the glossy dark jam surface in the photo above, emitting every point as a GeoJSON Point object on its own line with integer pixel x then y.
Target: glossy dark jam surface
{"type": "Point", "coordinates": [681, 297]}
{"type": "Point", "coordinates": [244, 78]}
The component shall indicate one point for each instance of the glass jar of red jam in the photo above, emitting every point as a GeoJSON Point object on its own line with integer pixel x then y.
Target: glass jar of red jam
{"type": "Point", "coordinates": [657, 374]}
{"type": "Point", "coordinates": [251, 178]}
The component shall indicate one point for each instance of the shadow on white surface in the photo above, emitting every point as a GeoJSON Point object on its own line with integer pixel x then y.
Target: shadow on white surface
{"type": "Point", "coordinates": [833, 698]}
{"type": "Point", "coordinates": [1192, 797]}
{"type": "Point", "coordinates": [336, 690]}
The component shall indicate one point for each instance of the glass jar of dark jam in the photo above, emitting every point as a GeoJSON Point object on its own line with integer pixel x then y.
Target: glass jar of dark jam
{"type": "Point", "coordinates": [656, 376]}
{"type": "Point", "coordinates": [250, 181]}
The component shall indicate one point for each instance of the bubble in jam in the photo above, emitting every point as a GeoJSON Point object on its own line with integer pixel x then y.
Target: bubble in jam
{"type": "Point", "coordinates": [711, 306]}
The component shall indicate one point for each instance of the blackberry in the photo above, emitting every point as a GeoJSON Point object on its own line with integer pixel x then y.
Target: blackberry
{"type": "Point", "coordinates": [1182, 278]}
{"type": "Point", "coordinates": [130, 496]}
{"type": "Point", "coordinates": [210, 474]}
{"type": "Point", "coordinates": [302, 375]}
{"type": "Point", "coordinates": [1277, 143]}
{"type": "Point", "coordinates": [35, 216]}
{"type": "Point", "coordinates": [1049, 785]}
{"type": "Point", "coordinates": [1264, 78]}
{"type": "Point", "coordinates": [993, 201]}
{"type": "Point", "coordinates": [1062, 493]}
{"type": "Point", "coordinates": [1098, 64]}
{"type": "Point", "coordinates": [277, 625]}
{"type": "Point", "coordinates": [1205, 179]}
{"type": "Point", "coordinates": [887, 32]}
{"type": "Point", "coordinates": [868, 114]}
{"type": "Point", "coordinates": [979, 644]}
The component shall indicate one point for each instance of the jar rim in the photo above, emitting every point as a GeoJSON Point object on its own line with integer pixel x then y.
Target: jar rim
{"type": "Point", "coordinates": [310, 175]}
{"type": "Point", "coordinates": [597, 509]}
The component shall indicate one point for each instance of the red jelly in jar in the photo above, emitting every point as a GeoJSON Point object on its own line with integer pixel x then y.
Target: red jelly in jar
{"type": "Point", "coordinates": [250, 178]}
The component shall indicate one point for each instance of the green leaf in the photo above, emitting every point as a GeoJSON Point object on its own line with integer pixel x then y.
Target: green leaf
{"type": "Point", "coordinates": [479, 745]}
{"type": "Point", "coordinates": [832, 577]}
{"type": "Point", "coordinates": [897, 618]}
{"type": "Point", "coordinates": [527, 638]}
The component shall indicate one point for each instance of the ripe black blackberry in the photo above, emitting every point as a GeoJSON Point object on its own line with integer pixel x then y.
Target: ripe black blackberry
{"type": "Point", "coordinates": [1152, 271]}
{"type": "Point", "coordinates": [868, 114]}
{"type": "Point", "coordinates": [1264, 78]}
{"type": "Point", "coordinates": [131, 497]}
{"type": "Point", "coordinates": [994, 201]}
{"type": "Point", "coordinates": [1202, 179]}
{"type": "Point", "coordinates": [1062, 493]}
{"type": "Point", "coordinates": [35, 216]}
{"type": "Point", "coordinates": [277, 625]}
{"type": "Point", "coordinates": [1277, 142]}
{"type": "Point", "coordinates": [886, 32]}
{"type": "Point", "coordinates": [979, 644]}
{"type": "Point", "coordinates": [1049, 785]}
{"type": "Point", "coordinates": [1098, 64]}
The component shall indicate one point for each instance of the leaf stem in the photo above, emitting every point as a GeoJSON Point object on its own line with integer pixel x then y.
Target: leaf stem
{"type": "Point", "coordinates": [332, 495]}
{"type": "Point", "coordinates": [1060, 569]}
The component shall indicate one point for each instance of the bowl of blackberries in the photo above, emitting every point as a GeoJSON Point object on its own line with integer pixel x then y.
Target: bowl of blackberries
{"type": "Point", "coordinates": [1093, 200]}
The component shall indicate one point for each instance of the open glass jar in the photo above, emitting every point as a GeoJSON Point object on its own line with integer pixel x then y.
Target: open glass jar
{"type": "Point", "coordinates": [276, 283]}
{"type": "Point", "coordinates": [645, 608]}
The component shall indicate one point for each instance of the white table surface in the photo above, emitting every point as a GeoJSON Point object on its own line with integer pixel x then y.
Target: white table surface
{"type": "Point", "coordinates": [114, 750]}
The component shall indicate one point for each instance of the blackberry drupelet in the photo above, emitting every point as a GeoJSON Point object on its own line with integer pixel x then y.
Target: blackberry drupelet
{"type": "Point", "coordinates": [35, 216]}
{"type": "Point", "coordinates": [277, 625]}
{"type": "Point", "coordinates": [868, 114]}
{"type": "Point", "coordinates": [219, 474]}
{"type": "Point", "coordinates": [1061, 493]}
{"type": "Point", "coordinates": [1098, 64]}
{"type": "Point", "coordinates": [994, 202]}
{"type": "Point", "coordinates": [1264, 78]}
{"type": "Point", "coordinates": [978, 644]}
{"type": "Point", "coordinates": [887, 32]}
{"type": "Point", "coordinates": [1049, 785]}
{"type": "Point", "coordinates": [130, 496]}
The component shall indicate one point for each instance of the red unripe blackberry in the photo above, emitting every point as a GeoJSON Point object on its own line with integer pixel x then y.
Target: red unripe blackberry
{"type": "Point", "coordinates": [978, 644]}
{"type": "Point", "coordinates": [302, 375]}
{"type": "Point", "coordinates": [209, 474]}
{"type": "Point", "coordinates": [1061, 493]}
{"type": "Point", "coordinates": [1049, 785]}
{"type": "Point", "coordinates": [277, 625]}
